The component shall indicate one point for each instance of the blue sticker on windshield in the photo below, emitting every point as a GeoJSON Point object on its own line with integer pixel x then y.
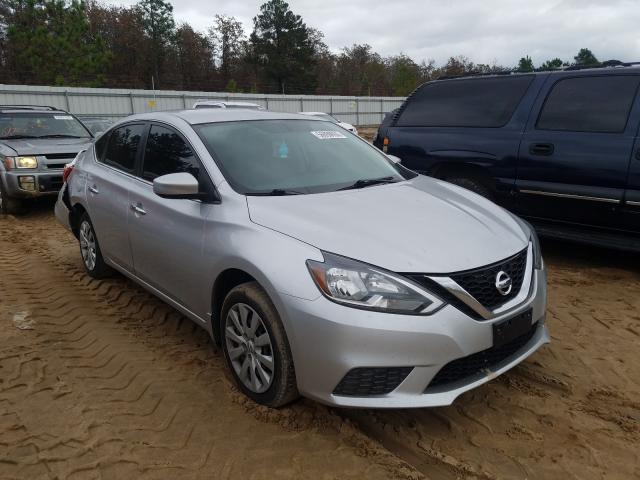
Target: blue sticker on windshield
{"type": "Point", "coordinates": [283, 150]}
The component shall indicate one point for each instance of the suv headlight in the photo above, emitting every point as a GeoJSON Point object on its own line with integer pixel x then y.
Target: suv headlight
{"type": "Point", "coordinates": [21, 162]}
{"type": "Point", "coordinates": [360, 285]}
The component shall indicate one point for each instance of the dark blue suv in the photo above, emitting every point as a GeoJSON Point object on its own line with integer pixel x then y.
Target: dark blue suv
{"type": "Point", "coordinates": [558, 148]}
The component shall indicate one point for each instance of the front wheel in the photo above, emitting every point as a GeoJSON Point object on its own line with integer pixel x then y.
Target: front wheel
{"type": "Point", "coordinates": [90, 251]}
{"type": "Point", "coordinates": [256, 347]}
{"type": "Point", "coordinates": [9, 206]}
{"type": "Point", "coordinates": [471, 184]}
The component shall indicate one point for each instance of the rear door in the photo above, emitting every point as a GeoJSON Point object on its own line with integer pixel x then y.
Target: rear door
{"type": "Point", "coordinates": [631, 205]}
{"type": "Point", "coordinates": [574, 155]}
{"type": "Point", "coordinates": [167, 234]}
{"type": "Point", "coordinates": [109, 182]}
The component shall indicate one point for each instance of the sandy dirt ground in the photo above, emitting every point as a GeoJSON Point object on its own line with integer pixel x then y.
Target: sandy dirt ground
{"type": "Point", "coordinates": [100, 380]}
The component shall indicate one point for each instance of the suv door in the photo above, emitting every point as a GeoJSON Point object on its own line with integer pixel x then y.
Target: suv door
{"type": "Point", "coordinates": [167, 234]}
{"type": "Point", "coordinates": [631, 205]}
{"type": "Point", "coordinates": [574, 155]}
{"type": "Point", "coordinates": [109, 182]}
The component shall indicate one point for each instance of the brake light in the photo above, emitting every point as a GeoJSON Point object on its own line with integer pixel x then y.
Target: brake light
{"type": "Point", "coordinates": [68, 168]}
{"type": "Point", "coordinates": [385, 144]}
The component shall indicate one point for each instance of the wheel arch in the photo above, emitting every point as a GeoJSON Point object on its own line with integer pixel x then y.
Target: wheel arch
{"type": "Point", "coordinates": [446, 170]}
{"type": "Point", "coordinates": [75, 214]}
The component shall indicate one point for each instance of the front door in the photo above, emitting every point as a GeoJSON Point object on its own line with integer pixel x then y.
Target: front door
{"type": "Point", "coordinates": [574, 155]}
{"type": "Point", "coordinates": [167, 234]}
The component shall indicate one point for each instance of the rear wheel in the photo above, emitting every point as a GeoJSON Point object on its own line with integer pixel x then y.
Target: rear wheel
{"type": "Point", "coordinates": [9, 206]}
{"type": "Point", "coordinates": [471, 184]}
{"type": "Point", "coordinates": [256, 347]}
{"type": "Point", "coordinates": [92, 258]}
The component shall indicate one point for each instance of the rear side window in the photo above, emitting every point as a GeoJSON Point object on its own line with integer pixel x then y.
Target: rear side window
{"type": "Point", "coordinates": [166, 152]}
{"type": "Point", "coordinates": [122, 147]}
{"type": "Point", "coordinates": [589, 104]}
{"type": "Point", "coordinates": [101, 144]}
{"type": "Point", "coordinates": [482, 102]}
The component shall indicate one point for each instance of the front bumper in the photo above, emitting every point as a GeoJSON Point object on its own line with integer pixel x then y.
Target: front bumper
{"type": "Point", "coordinates": [329, 340]}
{"type": "Point", "coordinates": [48, 183]}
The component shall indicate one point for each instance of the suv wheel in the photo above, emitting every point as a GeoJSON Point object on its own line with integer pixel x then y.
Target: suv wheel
{"type": "Point", "coordinates": [9, 206]}
{"type": "Point", "coordinates": [256, 348]}
{"type": "Point", "coordinates": [471, 184]}
{"type": "Point", "coordinates": [92, 258]}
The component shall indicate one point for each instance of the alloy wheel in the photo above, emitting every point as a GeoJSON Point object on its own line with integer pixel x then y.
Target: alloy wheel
{"type": "Point", "coordinates": [88, 245]}
{"type": "Point", "coordinates": [249, 348]}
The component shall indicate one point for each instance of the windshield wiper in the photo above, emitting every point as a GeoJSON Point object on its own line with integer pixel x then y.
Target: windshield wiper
{"type": "Point", "coordinates": [16, 137]}
{"type": "Point", "coordinates": [59, 135]}
{"type": "Point", "coordinates": [367, 182]}
{"type": "Point", "coordinates": [276, 192]}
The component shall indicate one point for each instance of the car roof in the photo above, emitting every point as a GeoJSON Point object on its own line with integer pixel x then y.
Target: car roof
{"type": "Point", "coordinates": [568, 71]}
{"type": "Point", "coordinates": [205, 115]}
{"type": "Point", "coordinates": [224, 102]}
{"type": "Point", "coordinates": [314, 113]}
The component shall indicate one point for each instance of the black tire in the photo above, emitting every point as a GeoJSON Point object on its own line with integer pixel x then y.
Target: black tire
{"type": "Point", "coordinates": [471, 184]}
{"type": "Point", "coordinates": [97, 268]}
{"type": "Point", "coordinates": [283, 388]}
{"type": "Point", "coordinates": [8, 205]}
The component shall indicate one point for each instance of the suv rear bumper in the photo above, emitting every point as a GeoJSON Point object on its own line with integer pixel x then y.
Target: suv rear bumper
{"type": "Point", "coordinates": [43, 183]}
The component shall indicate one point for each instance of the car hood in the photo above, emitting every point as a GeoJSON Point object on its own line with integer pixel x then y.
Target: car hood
{"type": "Point", "coordinates": [421, 225]}
{"type": "Point", "coordinates": [30, 146]}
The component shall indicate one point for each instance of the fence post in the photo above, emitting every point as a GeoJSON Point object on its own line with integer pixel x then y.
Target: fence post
{"type": "Point", "coordinates": [184, 101]}
{"type": "Point", "coordinates": [301, 105]}
{"type": "Point", "coordinates": [358, 111]}
{"type": "Point", "coordinates": [66, 98]}
{"type": "Point", "coordinates": [266, 102]}
{"type": "Point", "coordinates": [331, 106]}
{"type": "Point", "coordinates": [133, 107]}
{"type": "Point", "coordinates": [381, 110]}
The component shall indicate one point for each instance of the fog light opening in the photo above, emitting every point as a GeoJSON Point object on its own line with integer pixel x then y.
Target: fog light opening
{"type": "Point", "coordinates": [27, 182]}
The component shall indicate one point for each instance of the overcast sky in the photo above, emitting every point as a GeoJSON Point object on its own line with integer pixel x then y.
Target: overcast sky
{"type": "Point", "coordinates": [486, 31]}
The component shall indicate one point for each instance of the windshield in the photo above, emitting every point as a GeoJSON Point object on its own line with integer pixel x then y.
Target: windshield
{"type": "Point", "coordinates": [297, 156]}
{"type": "Point", "coordinates": [41, 125]}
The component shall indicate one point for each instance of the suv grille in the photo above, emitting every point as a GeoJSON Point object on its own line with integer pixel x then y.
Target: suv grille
{"type": "Point", "coordinates": [481, 282]}
{"type": "Point", "coordinates": [365, 382]}
{"type": "Point", "coordinates": [471, 365]}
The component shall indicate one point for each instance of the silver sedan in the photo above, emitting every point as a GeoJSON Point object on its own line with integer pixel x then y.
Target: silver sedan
{"type": "Point", "coordinates": [322, 267]}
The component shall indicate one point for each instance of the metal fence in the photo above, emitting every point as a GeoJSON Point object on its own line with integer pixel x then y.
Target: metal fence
{"type": "Point", "coordinates": [109, 102]}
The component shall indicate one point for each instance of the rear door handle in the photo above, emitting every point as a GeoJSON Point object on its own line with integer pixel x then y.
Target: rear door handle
{"type": "Point", "coordinates": [545, 149]}
{"type": "Point", "coordinates": [138, 209]}
{"type": "Point", "coordinates": [93, 189]}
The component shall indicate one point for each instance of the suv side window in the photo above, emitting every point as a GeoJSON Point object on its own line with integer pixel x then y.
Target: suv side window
{"type": "Point", "coordinates": [166, 152]}
{"type": "Point", "coordinates": [589, 104]}
{"type": "Point", "coordinates": [479, 102]}
{"type": "Point", "coordinates": [122, 147]}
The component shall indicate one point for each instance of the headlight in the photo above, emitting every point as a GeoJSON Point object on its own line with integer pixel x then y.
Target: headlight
{"type": "Point", "coordinates": [359, 285]}
{"type": "Point", "coordinates": [26, 162]}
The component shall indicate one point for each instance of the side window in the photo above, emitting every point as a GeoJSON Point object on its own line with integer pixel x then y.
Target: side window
{"type": "Point", "coordinates": [589, 104]}
{"type": "Point", "coordinates": [122, 147]}
{"type": "Point", "coordinates": [101, 144]}
{"type": "Point", "coordinates": [165, 153]}
{"type": "Point", "coordinates": [479, 102]}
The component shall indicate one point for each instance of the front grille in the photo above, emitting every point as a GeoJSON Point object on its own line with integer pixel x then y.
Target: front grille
{"type": "Point", "coordinates": [60, 156]}
{"type": "Point", "coordinates": [56, 165]}
{"type": "Point", "coordinates": [366, 382]}
{"type": "Point", "coordinates": [474, 364]}
{"type": "Point", "coordinates": [481, 282]}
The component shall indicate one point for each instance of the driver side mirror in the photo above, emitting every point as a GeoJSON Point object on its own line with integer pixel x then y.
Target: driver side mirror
{"type": "Point", "coordinates": [394, 159]}
{"type": "Point", "coordinates": [177, 185]}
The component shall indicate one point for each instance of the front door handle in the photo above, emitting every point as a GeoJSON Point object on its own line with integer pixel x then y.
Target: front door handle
{"type": "Point", "coordinates": [93, 189]}
{"type": "Point", "coordinates": [137, 208]}
{"type": "Point", "coordinates": [544, 149]}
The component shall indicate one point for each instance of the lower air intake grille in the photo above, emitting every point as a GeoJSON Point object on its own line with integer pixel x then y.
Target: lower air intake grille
{"type": "Point", "coordinates": [471, 365]}
{"type": "Point", "coordinates": [365, 382]}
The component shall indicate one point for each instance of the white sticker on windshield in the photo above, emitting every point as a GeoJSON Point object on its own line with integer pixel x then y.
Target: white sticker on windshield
{"type": "Point", "coordinates": [328, 134]}
{"type": "Point", "coordinates": [63, 117]}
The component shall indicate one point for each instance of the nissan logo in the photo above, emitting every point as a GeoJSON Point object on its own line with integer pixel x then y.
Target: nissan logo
{"type": "Point", "coordinates": [504, 284]}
